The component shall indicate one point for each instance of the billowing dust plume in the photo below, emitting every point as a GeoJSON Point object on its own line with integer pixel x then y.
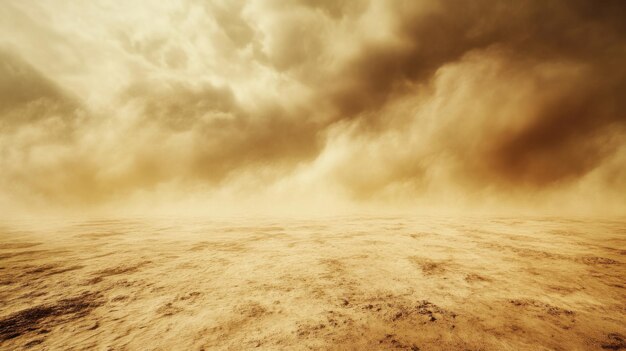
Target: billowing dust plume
{"type": "Point", "coordinates": [313, 105]}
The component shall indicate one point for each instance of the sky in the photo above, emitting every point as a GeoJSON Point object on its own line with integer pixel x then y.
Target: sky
{"type": "Point", "coordinates": [326, 106]}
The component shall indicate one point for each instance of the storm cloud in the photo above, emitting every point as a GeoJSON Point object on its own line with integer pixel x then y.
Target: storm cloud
{"type": "Point", "coordinates": [360, 103]}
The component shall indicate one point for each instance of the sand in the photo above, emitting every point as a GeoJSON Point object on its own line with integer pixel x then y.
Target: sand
{"type": "Point", "coordinates": [346, 283]}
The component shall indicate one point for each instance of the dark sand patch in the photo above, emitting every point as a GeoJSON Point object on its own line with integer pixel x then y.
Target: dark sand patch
{"type": "Point", "coordinates": [41, 318]}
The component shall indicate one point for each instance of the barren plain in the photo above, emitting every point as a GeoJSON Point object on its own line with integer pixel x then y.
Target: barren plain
{"type": "Point", "coordinates": [342, 283]}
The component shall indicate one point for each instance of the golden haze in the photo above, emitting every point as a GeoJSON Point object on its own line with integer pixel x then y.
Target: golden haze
{"type": "Point", "coordinates": [312, 106]}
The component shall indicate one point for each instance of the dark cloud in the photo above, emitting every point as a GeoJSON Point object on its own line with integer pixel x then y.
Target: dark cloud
{"type": "Point", "coordinates": [562, 138]}
{"type": "Point", "coordinates": [433, 36]}
{"type": "Point", "coordinates": [28, 96]}
{"type": "Point", "coordinates": [569, 135]}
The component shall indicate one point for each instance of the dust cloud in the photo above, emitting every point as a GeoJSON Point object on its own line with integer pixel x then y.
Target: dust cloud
{"type": "Point", "coordinates": [441, 105]}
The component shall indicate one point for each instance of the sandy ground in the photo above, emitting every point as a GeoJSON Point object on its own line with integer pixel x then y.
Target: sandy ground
{"type": "Point", "coordinates": [420, 283]}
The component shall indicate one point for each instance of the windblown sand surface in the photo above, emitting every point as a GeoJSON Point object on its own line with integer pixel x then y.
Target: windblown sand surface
{"type": "Point", "coordinates": [421, 283]}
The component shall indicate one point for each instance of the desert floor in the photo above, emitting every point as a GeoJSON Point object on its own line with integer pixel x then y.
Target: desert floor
{"type": "Point", "coordinates": [349, 283]}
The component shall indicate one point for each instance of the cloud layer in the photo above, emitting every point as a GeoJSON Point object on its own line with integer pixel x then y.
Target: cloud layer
{"type": "Point", "coordinates": [450, 104]}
